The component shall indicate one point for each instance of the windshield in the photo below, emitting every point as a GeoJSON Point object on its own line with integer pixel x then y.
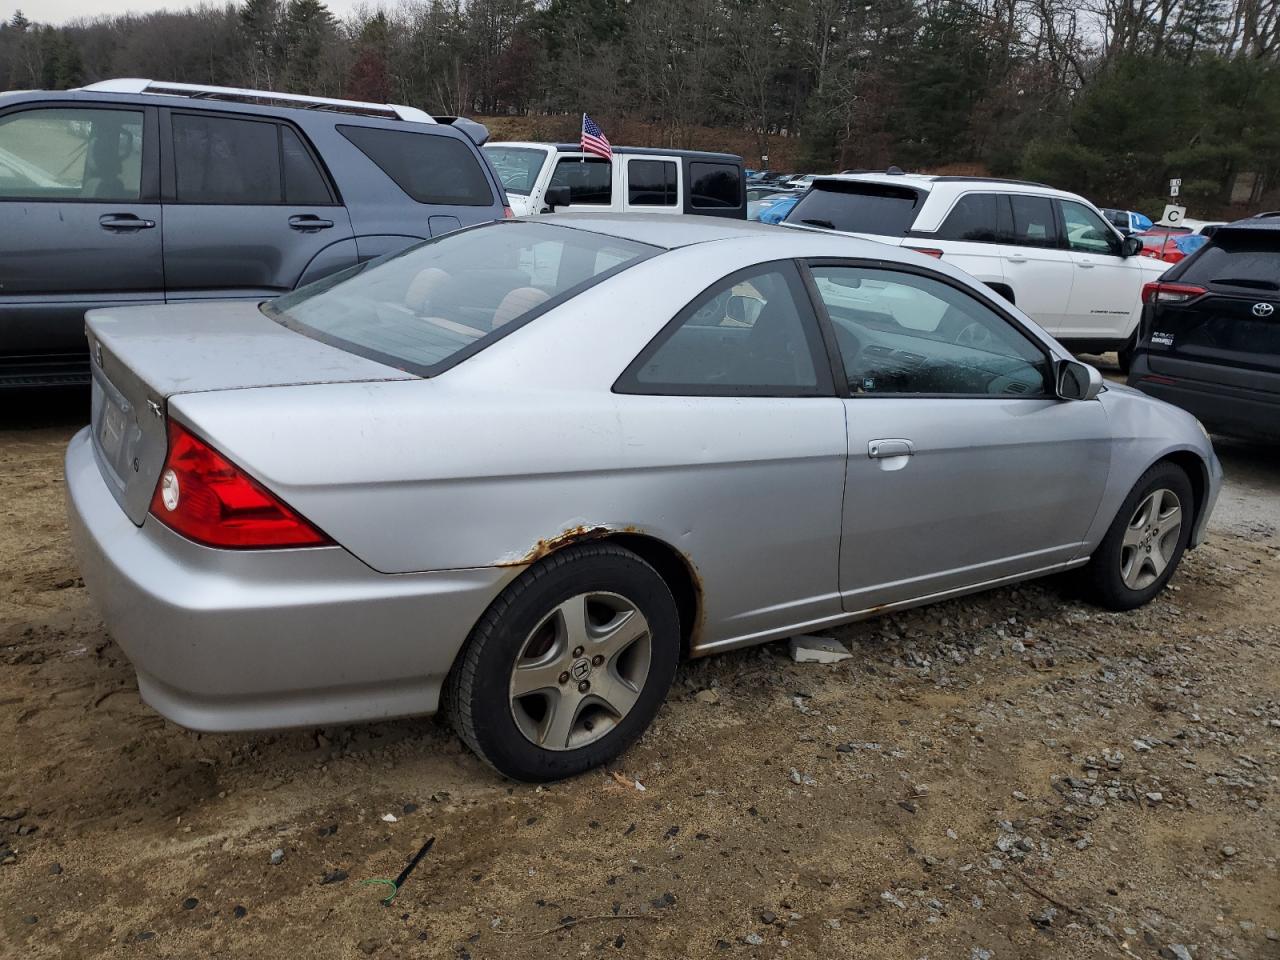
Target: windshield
{"type": "Point", "coordinates": [517, 167]}
{"type": "Point", "coordinates": [433, 305]}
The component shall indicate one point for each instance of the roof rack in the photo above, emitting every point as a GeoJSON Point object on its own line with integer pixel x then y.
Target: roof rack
{"type": "Point", "coordinates": [389, 111]}
{"type": "Point", "coordinates": [1020, 183]}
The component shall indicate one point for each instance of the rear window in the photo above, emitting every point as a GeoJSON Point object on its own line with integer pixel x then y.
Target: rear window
{"type": "Point", "coordinates": [517, 167]}
{"type": "Point", "coordinates": [714, 185]}
{"type": "Point", "coordinates": [882, 209]}
{"type": "Point", "coordinates": [431, 306]}
{"type": "Point", "coordinates": [430, 168]}
{"type": "Point", "coordinates": [1239, 260]}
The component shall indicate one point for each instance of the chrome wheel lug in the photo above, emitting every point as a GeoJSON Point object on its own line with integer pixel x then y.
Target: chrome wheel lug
{"type": "Point", "coordinates": [577, 651]}
{"type": "Point", "coordinates": [564, 677]}
{"type": "Point", "coordinates": [584, 686]}
{"type": "Point", "coordinates": [597, 660]}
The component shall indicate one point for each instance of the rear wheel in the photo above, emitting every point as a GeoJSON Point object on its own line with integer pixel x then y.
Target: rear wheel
{"type": "Point", "coordinates": [568, 666]}
{"type": "Point", "coordinates": [1145, 542]}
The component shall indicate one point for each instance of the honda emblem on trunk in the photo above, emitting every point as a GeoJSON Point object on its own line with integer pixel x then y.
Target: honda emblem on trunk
{"type": "Point", "coordinates": [1263, 309]}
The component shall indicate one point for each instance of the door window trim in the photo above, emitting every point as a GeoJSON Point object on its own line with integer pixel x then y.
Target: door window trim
{"type": "Point", "coordinates": [149, 182]}
{"type": "Point", "coordinates": [826, 386]}
{"type": "Point", "coordinates": [837, 362]}
{"type": "Point", "coordinates": [169, 169]}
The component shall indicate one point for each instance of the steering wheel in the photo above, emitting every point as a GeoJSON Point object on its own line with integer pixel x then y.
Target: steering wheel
{"type": "Point", "coordinates": [975, 335]}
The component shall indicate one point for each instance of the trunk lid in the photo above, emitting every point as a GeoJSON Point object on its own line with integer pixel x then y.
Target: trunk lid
{"type": "Point", "coordinates": [1237, 331]}
{"type": "Point", "coordinates": [142, 356]}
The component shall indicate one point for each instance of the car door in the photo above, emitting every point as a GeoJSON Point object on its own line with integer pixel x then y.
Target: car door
{"type": "Point", "coordinates": [1036, 268]}
{"type": "Point", "coordinates": [970, 236]}
{"type": "Point", "coordinates": [1106, 294]}
{"type": "Point", "coordinates": [652, 185]}
{"type": "Point", "coordinates": [248, 211]}
{"type": "Point", "coordinates": [590, 181]}
{"type": "Point", "coordinates": [737, 394]}
{"type": "Point", "coordinates": [80, 221]}
{"type": "Point", "coordinates": [964, 467]}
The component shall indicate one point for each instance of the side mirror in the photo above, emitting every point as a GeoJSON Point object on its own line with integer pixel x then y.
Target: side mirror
{"type": "Point", "coordinates": [1078, 381]}
{"type": "Point", "coordinates": [1130, 247]}
{"type": "Point", "coordinates": [555, 197]}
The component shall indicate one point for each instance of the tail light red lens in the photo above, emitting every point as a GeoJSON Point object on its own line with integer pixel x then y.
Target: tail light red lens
{"type": "Point", "coordinates": [1171, 292]}
{"type": "Point", "coordinates": [206, 498]}
{"type": "Point", "coordinates": [928, 252]}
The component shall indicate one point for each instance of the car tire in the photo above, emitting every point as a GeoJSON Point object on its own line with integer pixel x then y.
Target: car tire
{"type": "Point", "coordinates": [568, 666]}
{"type": "Point", "coordinates": [1145, 542]}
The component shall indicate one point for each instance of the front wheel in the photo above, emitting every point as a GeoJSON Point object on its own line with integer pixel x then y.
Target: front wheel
{"type": "Point", "coordinates": [1146, 540]}
{"type": "Point", "coordinates": [568, 666]}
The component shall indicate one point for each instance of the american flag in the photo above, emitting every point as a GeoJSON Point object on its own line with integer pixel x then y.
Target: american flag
{"type": "Point", "coordinates": [594, 140]}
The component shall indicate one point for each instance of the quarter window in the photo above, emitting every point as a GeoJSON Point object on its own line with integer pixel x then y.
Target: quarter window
{"type": "Point", "coordinates": [751, 334]}
{"type": "Point", "coordinates": [220, 160]}
{"type": "Point", "coordinates": [66, 154]}
{"type": "Point", "coordinates": [430, 168]}
{"type": "Point", "coordinates": [589, 179]}
{"type": "Point", "coordinates": [651, 183]}
{"type": "Point", "coordinates": [902, 333]}
{"type": "Point", "coordinates": [1033, 224]}
{"type": "Point", "coordinates": [714, 185]}
{"type": "Point", "coordinates": [303, 182]}
{"type": "Point", "coordinates": [1086, 232]}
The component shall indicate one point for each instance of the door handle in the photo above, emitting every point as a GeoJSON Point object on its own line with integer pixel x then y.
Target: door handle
{"type": "Point", "coordinates": [124, 221]}
{"type": "Point", "coordinates": [1016, 259]}
{"type": "Point", "coordinates": [884, 449]}
{"type": "Point", "coordinates": [307, 222]}
{"type": "Point", "coordinates": [1085, 264]}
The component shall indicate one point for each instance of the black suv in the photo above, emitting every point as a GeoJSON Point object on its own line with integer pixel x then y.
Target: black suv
{"type": "Point", "coordinates": [1210, 335]}
{"type": "Point", "coordinates": [135, 191]}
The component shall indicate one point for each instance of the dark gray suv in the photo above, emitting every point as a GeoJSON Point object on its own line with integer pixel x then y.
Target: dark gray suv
{"type": "Point", "coordinates": [135, 191]}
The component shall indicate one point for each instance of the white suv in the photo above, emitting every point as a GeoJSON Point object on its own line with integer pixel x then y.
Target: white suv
{"type": "Point", "coordinates": [1048, 251]}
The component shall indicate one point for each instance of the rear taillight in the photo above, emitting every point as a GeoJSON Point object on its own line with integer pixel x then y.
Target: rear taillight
{"type": "Point", "coordinates": [1171, 292]}
{"type": "Point", "coordinates": [207, 498]}
{"type": "Point", "coordinates": [928, 252]}
{"type": "Point", "coordinates": [508, 213]}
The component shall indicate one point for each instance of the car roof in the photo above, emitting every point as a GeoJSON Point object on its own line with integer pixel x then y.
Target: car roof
{"type": "Point", "coordinates": [662, 230]}
{"type": "Point", "coordinates": [929, 181]}
{"type": "Point", "coordinates": [1261, 221]}
{"type": "Point", "coordinates": [638, 151]}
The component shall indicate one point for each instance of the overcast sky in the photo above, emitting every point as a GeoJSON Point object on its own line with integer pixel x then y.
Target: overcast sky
{"type": "Point", "coordinates": [60, 11]}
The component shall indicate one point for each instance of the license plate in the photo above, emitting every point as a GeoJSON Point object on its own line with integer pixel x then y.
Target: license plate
{"type": "Point", "coordinates": [111, 432]}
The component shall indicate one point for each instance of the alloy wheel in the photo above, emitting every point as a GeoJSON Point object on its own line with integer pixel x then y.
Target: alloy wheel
{"type": "Point", "coordinates": [580, 671]}
{"type": "Point", "coordinates": [1150, 539]}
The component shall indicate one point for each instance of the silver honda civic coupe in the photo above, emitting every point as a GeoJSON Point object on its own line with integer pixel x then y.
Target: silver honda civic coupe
{"type": "Point", "coordinates": [517, 471]}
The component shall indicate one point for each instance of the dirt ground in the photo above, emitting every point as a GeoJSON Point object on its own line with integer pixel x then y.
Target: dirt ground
{"type": "Point", "coordinates": [1011, 775]}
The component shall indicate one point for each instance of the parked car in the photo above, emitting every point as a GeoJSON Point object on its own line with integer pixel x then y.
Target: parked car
{"type": "Point", "coordinates": [802, 182]}
{"type": "Point", "coordinates": [1127, 221]}
{"type": "Point", "coordinates": [1048, 251]}
{"type": "Point", "coordinates": [777, 211]}
{"type": "Point", "coordinates": [140, 191]}
{"type": "Point", "coordinates": [542, 177]}
{"type": "Point", "coordinates": [1171, 247]}
{"type": "Point", "coordinates": [760, 199]}
{"type": "Point", "coordinates": [1210, 338]}
{"type": "Point", "coordinates": [526, 466]}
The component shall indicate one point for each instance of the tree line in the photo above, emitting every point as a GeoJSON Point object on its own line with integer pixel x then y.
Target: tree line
{"type": "Point", "coordinates": [1107, 97]}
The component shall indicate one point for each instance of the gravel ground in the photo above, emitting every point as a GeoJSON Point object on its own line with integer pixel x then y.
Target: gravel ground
{"type": "Point", "coordinates": [1010, 775]}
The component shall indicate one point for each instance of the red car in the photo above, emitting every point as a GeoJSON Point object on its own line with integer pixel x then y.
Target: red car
{"type": "Point", "coordinates": [1170, 244]}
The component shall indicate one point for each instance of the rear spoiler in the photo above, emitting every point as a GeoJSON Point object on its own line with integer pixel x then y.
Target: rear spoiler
{"type": "Point", "coordinates": [478, 133]}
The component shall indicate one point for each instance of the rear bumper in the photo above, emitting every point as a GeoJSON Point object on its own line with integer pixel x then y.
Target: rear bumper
{"type": "Point", "coordinates": [1229, 409]}
{"type": "Point", "coordinates": [228, 640]}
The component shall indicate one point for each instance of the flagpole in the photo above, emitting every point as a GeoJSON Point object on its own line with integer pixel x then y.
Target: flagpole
{"type": "Point", "coordinates": [583, 158]}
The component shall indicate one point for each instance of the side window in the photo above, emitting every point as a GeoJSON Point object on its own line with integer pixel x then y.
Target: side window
{"type": "Point", "coordinates": [590, 180]}
{"type": "Point", "coordinates": [71, 154]}
{"type": "Point", "coordinates": [303, 182]}
{"type": "Point", "coordinates": [975, 217]}
{"type": "Point", "coordinates": [903, 333]}
{"type": "Point", "coordinates": [220, 160]}
{"type": "Point", "coordinates": [430, 168]}
{"type": "Point", "coordinates": [651, 183]}
{"type": "Point", "coordinates": [751, 334]}
{"type": "Point", "coordinates": [714, 185]}
{"type": "Point", "coordinates": [1033, 224]}
{"type": "Point", "coordinates": [1086, 233]}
